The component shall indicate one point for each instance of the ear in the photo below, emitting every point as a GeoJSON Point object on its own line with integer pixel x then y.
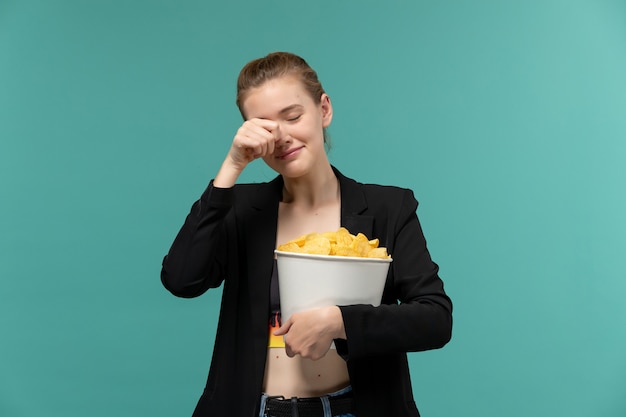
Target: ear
{"type": "Point", "coordinates": [327, 110]}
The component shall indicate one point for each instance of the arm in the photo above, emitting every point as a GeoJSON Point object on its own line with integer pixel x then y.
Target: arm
{"type": "Point", "coordinates": [195, 260]}
{"type": "Point", "coordinates": [423, 318]}
{"type": "Point", "coordinates": [310, 333]}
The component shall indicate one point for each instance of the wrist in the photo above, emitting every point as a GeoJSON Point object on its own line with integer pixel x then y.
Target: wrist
{"type": "Point", "coordinates": [227, 175]}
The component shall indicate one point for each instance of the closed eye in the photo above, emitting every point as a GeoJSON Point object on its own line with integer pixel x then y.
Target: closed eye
{"type": "Point", "coordinates": [295, 118]}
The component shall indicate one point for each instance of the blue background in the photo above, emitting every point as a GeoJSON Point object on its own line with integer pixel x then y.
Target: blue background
{"type": "Point", "coordinates": [507, 119]}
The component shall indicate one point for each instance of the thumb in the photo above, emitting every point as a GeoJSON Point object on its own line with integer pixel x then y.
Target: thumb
{"type": "Point", "coordinates": [282, 330]}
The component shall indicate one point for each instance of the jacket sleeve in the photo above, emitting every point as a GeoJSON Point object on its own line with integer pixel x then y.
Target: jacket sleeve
{"type": "Point", "coordinates": [415, 313]}
{"type": "Point", "coordinates": [195, 261]}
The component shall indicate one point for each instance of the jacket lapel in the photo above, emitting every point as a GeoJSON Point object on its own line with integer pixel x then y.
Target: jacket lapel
{"type": "Point", "coordinates": [353, 204]}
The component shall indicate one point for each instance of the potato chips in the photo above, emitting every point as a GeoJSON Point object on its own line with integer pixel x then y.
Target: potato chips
{"type": "Point", "coordinates": [339, 243]}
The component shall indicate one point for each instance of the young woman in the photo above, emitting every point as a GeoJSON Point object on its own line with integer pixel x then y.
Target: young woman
{"type": "Point", "coordinates": [230, 235]}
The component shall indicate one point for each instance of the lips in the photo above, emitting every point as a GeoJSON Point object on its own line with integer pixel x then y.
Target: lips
{"type": "Point", "coordinates": [288, 153]}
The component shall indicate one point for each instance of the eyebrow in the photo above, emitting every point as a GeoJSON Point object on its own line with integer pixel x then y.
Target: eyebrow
{"type": "Point", "coordinates": [283, 111]}
{"type": "Point", "coordinates": [290, 108]}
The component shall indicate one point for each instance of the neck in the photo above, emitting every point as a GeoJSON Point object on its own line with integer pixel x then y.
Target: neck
{"type": "Point", "coordinates": [312, 190]}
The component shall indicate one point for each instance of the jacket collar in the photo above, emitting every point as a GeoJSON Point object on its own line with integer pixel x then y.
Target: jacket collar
{"type": "Point", "coordinates": [353, 203]}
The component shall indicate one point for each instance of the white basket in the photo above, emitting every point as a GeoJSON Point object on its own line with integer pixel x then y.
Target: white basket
{"type": "Point", "coordinates": [309, 281]}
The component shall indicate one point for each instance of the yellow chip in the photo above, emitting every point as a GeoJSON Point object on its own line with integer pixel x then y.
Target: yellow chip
{"type": "Point", "coordinates": [361, 245]}
{"type": "Point", "coordinates": [344, 238]}
{"type": "Point", "coordinates": [299, 240]}
{"type": "Point", "coordinates": [289, 247]}
{"type": "Point", "coordinates": [338, 243]}
{"type": "Point", "coordinates": [331, 236]}
{"type": "Point", "coordinates": [316, 246]}
{"type": "Point", "coordinates": [345, 251]}
{"type": "Point", "coordinates": [378, 253]}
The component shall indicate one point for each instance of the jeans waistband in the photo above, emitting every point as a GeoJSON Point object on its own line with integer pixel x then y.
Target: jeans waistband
{"type": "Point", "coordinates": [336, 403]}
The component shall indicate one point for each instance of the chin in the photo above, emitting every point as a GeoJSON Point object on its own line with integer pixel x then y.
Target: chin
{"type": "Point", "coordinates": [292, 170]}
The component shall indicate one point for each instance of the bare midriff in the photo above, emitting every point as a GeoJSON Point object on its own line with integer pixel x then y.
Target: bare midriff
{"type": "Point", "coordinates": [301, 377]}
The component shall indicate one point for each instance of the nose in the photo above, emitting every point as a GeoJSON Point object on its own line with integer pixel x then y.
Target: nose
{"type": "Point", "coordinates": [282, 137]}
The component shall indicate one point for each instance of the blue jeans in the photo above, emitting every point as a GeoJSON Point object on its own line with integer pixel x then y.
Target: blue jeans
{"type": "Point", "coordinates": [324, 400]}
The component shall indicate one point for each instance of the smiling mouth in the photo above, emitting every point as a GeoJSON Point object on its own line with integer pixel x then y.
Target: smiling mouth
{"type": "Point", "coordinates": [286, 154]}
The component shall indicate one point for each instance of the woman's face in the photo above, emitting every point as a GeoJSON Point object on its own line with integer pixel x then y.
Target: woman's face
{"type": "Point", "coordinates": [301, 122]}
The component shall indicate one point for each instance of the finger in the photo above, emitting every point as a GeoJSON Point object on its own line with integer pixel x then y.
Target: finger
{"type": "Point", "coordinates": [282, 330]}
{"type": "Point", "coordinates": [271, 145]}
{"type": "Point", "coordinates": [289, 351]}
{"type": "Point", "coordinates": [268, 125]}
{"type": "Point", "coordinates": [268, 130]}
{"type": "Point", "coordinates": [251, 135]}
{"type": "Point", "coordinates": [259, 149]}
{"type": "Point", "coordinates": [251, 147]}
{"type": "Point", "coordinates": [261, 141]}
